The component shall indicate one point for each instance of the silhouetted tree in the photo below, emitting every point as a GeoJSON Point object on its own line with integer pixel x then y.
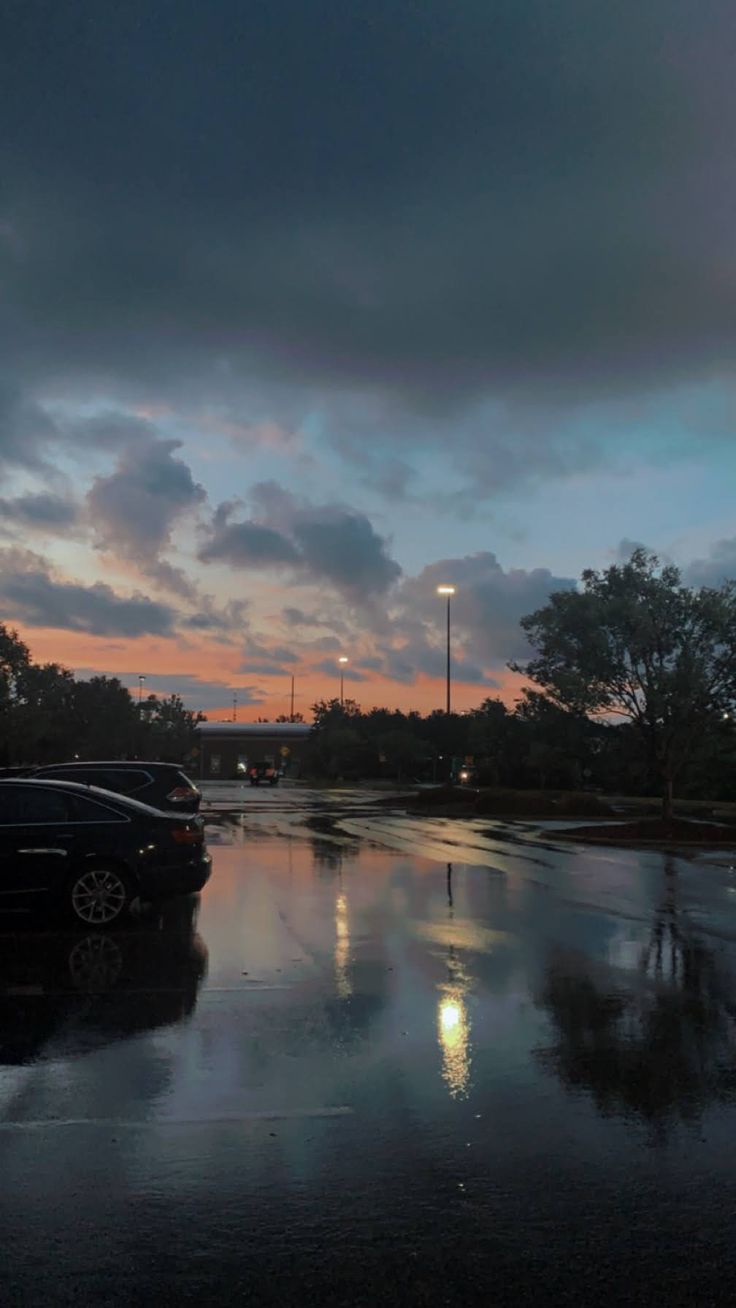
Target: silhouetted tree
{"type": "Point", "coordinates": [636, 643]}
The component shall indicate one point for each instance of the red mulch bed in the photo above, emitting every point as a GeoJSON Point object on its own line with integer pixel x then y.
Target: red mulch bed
{"type": "Point", "coordinates": [654, 831]}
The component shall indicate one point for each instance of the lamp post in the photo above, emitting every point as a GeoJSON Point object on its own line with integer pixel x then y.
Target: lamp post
{"type": "Point", "coordinates": [449, 591]}
{"type": "Point", "coordinates": [342, 661]}
{"type": "Point", "coordinates": [141, 679]}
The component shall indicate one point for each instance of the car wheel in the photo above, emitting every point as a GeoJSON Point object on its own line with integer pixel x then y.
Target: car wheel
{"type": "Point", "coordinates": [99, 896]}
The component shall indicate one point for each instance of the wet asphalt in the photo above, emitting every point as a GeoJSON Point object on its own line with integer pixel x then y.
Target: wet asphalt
{"type": "Point", "coordinates": [382, 1060]}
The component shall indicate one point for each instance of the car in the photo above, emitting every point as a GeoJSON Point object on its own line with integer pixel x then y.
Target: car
{"type": "Point", "coordinates": [467, 776]}
{"type": "Point", "coordinates": [162, 785]}
{"type": "Point", "coordinates": [258, 772]}
{"type": "Point", "coordinates": [92, 853]}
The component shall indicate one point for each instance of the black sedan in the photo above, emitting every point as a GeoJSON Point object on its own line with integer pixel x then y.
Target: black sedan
{"type": "Point", "coordinates": [92, 852]}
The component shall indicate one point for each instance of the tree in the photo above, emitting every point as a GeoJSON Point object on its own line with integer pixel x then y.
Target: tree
{"type": "Point", "coordinates": [169, 729]}
{"type": "Point", "coordinates": [41, 716]}
{"type": "Point", "coordinates": [337, 745]}
{"type": "Point", "coordinates": [105, 721]}
{"type": "Point", "coordinates": [14, 659]}
{"type": "Point", "coordinates": [402, 751]}
{"type": "Point", "coordinates": [637, 644]}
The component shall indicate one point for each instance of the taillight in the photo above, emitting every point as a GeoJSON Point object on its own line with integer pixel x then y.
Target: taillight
{"type": "Point", "coordinates": [188, 835]}
{"type": "Point", "coordinates": [181, 793]}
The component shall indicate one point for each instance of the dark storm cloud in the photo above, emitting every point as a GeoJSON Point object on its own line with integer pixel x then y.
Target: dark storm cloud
{"type": "Point", "coordinates": [247, 544]}
{"type": "Point", "coordinates": [485, 204]}
{"type": "Point", "coordinates": [30, 594]}
{"type": "Point", "coordinates": [326, 542]}
{"type": "Point", "coordinates": [41, 511]}
{"type": "Point", "coordinates": [26, 429]}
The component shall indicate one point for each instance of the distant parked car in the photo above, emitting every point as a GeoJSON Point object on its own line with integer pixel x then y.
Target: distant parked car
{"type": "Point", "coordinates": [258, 772]}
{"type": "Point", "coordinates": [467, 776]}
{"type": "Point", "coordinates": [163, 785]}
{"type": "Point", "coordinates": [91, 852]}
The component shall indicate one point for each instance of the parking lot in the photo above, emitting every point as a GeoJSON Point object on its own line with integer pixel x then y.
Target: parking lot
{"type": "Point", "coordinates": [382, 1060]}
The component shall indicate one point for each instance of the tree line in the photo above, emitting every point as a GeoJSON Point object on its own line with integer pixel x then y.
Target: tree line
{"type": "Point", "coordinates": [47, 715]}
{"type": "Point", "coordinates": [533, 746]}
{"type": "Point", "coordinates": [632, 688]}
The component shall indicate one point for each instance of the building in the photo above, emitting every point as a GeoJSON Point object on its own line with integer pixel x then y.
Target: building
{"type": "Point", "coordinates": [225, 749]}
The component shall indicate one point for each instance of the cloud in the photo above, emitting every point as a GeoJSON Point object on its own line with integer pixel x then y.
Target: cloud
{"type": "Point", "coordinates": [262, 652]}
{"type": "Point", "coordinates": [40, 511]}
{"type": "Point", "coordinates": [135, 509]}
{"type": "Point", "coordinates": [334, 669]}
{"type": "Point", "coordinates": [326, 542]}
{"type": "Point", "coordinates": [264, 669]}
{"type": "Point", "coordinates": [229, 618]}
{"type": "Point", "coordinates": [30, 594]}
{"type": "Point", "coordinates": [244, 544]}
{"type": "Point", "coordinates": [717, 567]}
{"type": "Point", "coordinates": [522, 207]}
{"type": "Point", "coordinates": [625, 548]}
{"type": "Point", "coordinates": [197, 693]}
{"type": "Point", "coordinates": [486, 609]}
{"type": "Point", "coordinates": [26, 429]}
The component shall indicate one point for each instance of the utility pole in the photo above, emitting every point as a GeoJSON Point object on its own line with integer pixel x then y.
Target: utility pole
{"type": "Point", "coordinates": [291, 715]}
{"type": "Point", "coordinates": [449, 591]}
{"type": "Point", "coordinates": [235, 708]}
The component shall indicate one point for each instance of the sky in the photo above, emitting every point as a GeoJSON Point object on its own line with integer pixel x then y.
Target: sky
{"type": "Point", "coordinates": [308, 308]}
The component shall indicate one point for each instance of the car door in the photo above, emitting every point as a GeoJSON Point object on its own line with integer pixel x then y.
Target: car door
{"type": "Point", "coordinates": [36, 842]}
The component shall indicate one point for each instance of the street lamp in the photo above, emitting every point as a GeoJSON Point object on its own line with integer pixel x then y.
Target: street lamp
{"type": "Point", "coordinates": [342, 661]}
{"type": "Point", "coordinates": [141, 679]}
{"type": "Point", "coordinates": [449, 591]}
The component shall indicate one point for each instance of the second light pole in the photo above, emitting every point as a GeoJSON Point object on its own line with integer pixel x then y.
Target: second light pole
{"type": "Point", "coordinates": [342, 661]}
{"type": "Point", "coordinates": [449, 591]}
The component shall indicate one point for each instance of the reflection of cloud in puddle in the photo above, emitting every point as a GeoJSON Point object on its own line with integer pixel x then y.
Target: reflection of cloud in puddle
{"type": "Point", "coordinates": [462, 934]}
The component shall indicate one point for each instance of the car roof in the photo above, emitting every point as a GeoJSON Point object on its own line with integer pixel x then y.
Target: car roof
{"type": "Point", "coordinates": [108, 763]}
{"type": "Point", "coordinates": [79, 788]}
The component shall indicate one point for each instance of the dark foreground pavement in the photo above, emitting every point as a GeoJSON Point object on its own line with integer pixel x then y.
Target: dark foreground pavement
{"type": "Point", "coordinates": [359, 1075]}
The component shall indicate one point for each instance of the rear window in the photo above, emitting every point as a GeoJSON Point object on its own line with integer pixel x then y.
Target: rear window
{"type": "Point", "coordinates": [88, 810]}
{"type": "Point", "coordinates": [31, 805]}
{"type": "Point", "coordinates": [125, 781]}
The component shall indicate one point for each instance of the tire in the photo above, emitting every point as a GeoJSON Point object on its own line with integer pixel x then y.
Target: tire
{"type": "Point", "coordinates": [253, 781]}
{"type": "Point", "coordinates": [274, 781]}
{"type": "Point", "coordinates": [99, 896]}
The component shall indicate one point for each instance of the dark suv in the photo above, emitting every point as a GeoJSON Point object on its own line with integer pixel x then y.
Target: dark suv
{"type": "Point", "coordinates": [92, 852]}
{"type": "Point", "coordinates": [163, 785]}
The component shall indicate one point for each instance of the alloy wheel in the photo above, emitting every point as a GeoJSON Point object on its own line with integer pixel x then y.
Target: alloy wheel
{"type": "Point", "coordinates": [98, 897]}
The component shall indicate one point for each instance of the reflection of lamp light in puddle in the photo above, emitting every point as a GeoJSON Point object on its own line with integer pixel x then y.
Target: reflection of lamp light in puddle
{"type": "Point", "coordinates": [453, 1030]}
{"type": "Point", "coordinates": [342, 948]}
